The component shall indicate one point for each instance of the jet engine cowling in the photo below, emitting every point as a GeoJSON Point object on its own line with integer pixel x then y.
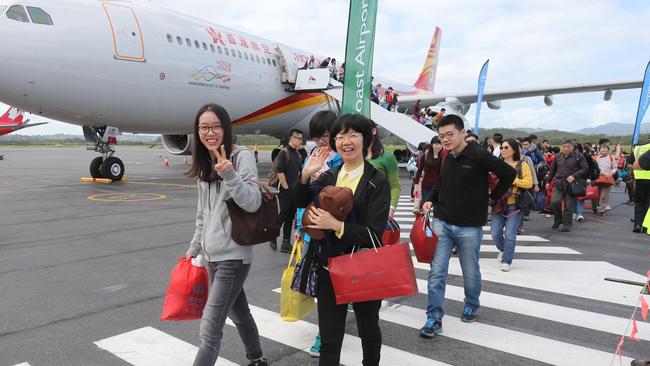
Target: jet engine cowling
{"type": "Point", "coordinates": [177, 144]}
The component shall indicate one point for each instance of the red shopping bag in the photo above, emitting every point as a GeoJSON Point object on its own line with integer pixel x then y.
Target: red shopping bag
{"type": "Point", "coordinates": [423, 238]}
{"type": "Point", "coordinates": [375, 274]}
{"type": "Point", "coordinates": [187, 292]}
{"type": "Point", "coordinates": [593, 194]}
{"type": "Point", "coordinates": [391, 233]}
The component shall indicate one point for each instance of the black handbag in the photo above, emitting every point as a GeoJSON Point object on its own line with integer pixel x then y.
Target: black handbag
{"type": "Point", "coordinates": [305, 276]}
{"type": "Point", "coordinates": [525, 197]}
{"type": "Point", "coordinates": [257, 227]}
{"type": "Point", "coordinates": [578, 187]}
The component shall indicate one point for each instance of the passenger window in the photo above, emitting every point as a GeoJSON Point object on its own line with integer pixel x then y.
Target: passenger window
{"type": "Point", "coordinates": [219, 49]}
{"type": "Point", "coordinates": [170, 39]}
{"type": "Point", "coordinates": [232, 52]}
{"type": "Point", "coordinates": [188, 42]}
{"type": "Point", "coordinates": [39, 16]}
{"type": "Point", "coordinates": [263, 61]}
{"type": "Point", "coordinates": [205, 46]}
{"type": "Point", "coordinates": [17, 12]}
{"type": "Point", "coordinates": [179, 40]}
{"type": "Point", "coordinates": [257, 58]}
{"type": "Point", "coordinates": [212, 48]}
{"type": "Point", "coordinates": [226, 51]}
{"type": "Point", "coordinates": [239, 54]}
{"type": "Point", "coordinates": [268, 61]}
{"type": "Point", "coordinates": [246, 55]}
{"type": "Point", "coordinates": [196, 43]}
{"type": "Point", "coordinates": [273, 62]}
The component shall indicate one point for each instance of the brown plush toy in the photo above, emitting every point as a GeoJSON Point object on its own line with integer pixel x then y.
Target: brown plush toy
{"type": "Point", "coordinates": [335, 200]}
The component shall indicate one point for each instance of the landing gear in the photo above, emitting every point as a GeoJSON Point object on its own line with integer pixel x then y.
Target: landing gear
{"type": "Point", "coordinates": [102, 140]}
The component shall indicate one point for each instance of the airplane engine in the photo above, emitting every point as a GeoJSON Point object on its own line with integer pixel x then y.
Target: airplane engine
{"type": "Point", "coordinates": [178, 144]}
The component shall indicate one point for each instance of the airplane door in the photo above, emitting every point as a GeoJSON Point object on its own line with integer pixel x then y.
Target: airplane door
{"type": "Point", "coordinates": [127, 35]}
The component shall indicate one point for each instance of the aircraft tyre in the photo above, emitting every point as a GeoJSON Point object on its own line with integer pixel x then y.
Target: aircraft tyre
{"type": "Point", "coordinates": [113, 168]}
{"type": "Point", "coordinates": [95, 167]}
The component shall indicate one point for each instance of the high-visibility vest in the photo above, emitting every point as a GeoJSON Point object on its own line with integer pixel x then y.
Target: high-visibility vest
{"type": "Point", "coordinates": [640, 173]}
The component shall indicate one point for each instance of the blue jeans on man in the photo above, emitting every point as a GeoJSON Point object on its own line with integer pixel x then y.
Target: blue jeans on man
{"type": "Point", "coordinates": [468, 242]}
{"type": "Point", "coordinates": [504, 231]}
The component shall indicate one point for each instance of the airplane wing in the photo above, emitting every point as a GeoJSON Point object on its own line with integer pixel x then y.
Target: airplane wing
{"type": "Point", "coordinates": [497, 95]}
{"type": "Point", "coordinates": [20, 127]}
{"type": "Point", "coordinates": [397, 123]}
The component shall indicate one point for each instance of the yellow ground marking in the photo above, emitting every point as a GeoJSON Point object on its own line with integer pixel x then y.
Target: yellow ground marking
{"type": "Point", "coordinates": [127, 197]}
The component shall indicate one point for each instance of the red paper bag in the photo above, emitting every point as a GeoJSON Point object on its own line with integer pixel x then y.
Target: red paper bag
{"type": "Point", "coordinates": [593, 194]}
{"type": "Point", "coordinates": [391, 233]}
{"type": "Point", "coordinates": [423, 238]}
{"type": "Point", "coordinates": [375, 274]}
{"type": "Point", "coordinates": [187, 292]}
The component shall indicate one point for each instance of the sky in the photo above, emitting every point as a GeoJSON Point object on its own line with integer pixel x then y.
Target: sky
{"type": "Point", "coordinates": [529, 44]}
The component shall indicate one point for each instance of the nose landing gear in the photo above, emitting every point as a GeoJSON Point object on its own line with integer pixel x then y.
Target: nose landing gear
{"type": "Point", "coordinates": [103, 140]}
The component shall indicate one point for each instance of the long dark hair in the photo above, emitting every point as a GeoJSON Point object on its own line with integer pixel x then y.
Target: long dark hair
{"type": "Point", "coordinates": [428, 161]}
{"type": "Point", "coordinates": [202, 164]}
{"type": "Point", "coordinates": [376, 147]}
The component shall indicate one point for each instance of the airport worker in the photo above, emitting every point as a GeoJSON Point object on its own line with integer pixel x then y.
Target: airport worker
{"type": "Point", "coordinates": [506, 216]}
{"type": "Point", "coordinates": [351, 136]}
{"type": "Point", "coordinates": [461, 201]}
{"type": "Point", "coordinates": [288, 167]}
{"type": "Point", "coordinates": [567, 166]}
{"type": "Point", "coordinates": [228, 263]}
{"type": "Point", "coordinates": [642, 187]}
{"type": "Point", "coordinates": [385, 161]}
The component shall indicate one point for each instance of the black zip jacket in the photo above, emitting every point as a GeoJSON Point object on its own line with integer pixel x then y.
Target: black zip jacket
{"type": "Point", "coordinates": [370, 210]}
{"type": "Point", "coordinates": [461, 196]}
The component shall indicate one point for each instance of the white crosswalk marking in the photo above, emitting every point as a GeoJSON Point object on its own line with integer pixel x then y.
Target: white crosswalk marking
{"type": "Point", "coordinates": [151, 347]}
{"type": "Point", "coordinates": [406, 231]}
{"type": "Point", "coordinates": [23, 364]}
{"type": "Point", "coordinates": [301, 334]}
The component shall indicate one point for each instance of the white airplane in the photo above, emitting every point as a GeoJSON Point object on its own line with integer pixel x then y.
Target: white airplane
{"type": "Point", "coordinates": [135, 66]}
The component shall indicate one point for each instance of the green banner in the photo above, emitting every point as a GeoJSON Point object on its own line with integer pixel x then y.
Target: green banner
{"type": "Point", "coordinates": [358, 57]}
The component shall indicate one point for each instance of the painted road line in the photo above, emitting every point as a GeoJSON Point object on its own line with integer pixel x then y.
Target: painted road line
{"type": "Point", "coordinates": [490, 248]}
{"type": "Point", "coordinates": [300, 335]}
{"type": "Point", "coordinates": [23, 364]}
{"type": "Point", "coordinates": [151, 347]}
{"type": "Point", "coordinates": [497, 338]}
{"type": "Point", "coordinates": [575, 278]}
{"type": "Point", "coordinates": [406, 231]}
{"type": "Point", "coordinates": [502, 339]}
{"type": "Point", "coordinates": [561, 314]}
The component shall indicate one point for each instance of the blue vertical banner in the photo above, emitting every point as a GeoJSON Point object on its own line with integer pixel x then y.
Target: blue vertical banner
{"type": "Point", "coordinates": [479, 95]}
{"type": "Point", "coordinates": [644, 101]}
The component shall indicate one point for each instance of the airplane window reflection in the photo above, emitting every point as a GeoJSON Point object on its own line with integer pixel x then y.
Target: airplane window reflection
{"type": "Point", "coordinates": [18, 13]}
{"type": "Point", "coordinates": [39, 16]}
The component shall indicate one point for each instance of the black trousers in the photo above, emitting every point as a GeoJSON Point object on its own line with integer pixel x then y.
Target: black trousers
{"type": "Point", "coordinates": [641, 199]}
{"type": "Point", "coordinates": [562, 216]}
{"type": "Point", "coordinates": [287, 212]}
{"type": "Point", "coordinates": [331, 324]}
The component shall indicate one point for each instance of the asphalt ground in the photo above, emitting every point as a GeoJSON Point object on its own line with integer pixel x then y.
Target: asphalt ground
{"type": "Point", "coordinates": [82, 262]}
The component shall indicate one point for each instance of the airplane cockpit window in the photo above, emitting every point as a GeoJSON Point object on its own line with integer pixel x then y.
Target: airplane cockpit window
{"type": "Point", "coordinates": [170, 39]}
{"type": "Point", "coordinates": [179, 40]}
{"type": "Point", "coordinates": [39, 16]}
{"type": "Point", "coordinates": [212, 48]}
{"type": "Point", "coordinates": [17, 12]}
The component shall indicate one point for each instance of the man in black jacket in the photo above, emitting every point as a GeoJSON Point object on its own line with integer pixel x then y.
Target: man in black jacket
{"type": "Point", "coordinates": [567, 166]}
{"type": "Point", "coordinates": [461, 200]}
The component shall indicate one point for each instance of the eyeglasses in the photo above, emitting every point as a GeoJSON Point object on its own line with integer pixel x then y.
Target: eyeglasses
{"type": "Point", "coordinates": [204, 130]}
{"type": "Point", "coordinates": [447, 136]}
{"type": "Point", "coordinates": [351, 136]}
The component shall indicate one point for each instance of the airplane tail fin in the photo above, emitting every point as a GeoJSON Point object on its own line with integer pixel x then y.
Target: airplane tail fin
{"type": "Point", "coordinates": [427, 77]}
{"type": "Point", "coordinates": [13, 116]}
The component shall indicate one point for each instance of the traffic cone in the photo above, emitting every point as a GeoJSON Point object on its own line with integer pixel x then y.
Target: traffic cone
{"type": "Point", "coordinates": [166, 162]}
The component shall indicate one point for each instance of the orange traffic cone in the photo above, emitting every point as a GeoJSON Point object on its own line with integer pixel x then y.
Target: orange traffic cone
{"type": "Point", "coordinates": [166, 162]}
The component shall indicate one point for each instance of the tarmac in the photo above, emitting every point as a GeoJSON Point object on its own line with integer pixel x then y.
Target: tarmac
{"type": "Point", "coordinates": [82, 263]}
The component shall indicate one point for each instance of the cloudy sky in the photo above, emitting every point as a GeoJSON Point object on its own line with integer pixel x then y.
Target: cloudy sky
{"type": "Point", "coordinates": [529, 44]}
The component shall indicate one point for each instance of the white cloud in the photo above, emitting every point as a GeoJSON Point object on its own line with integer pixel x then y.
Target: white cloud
{"type": "Point", "coordinates": [529, 44]}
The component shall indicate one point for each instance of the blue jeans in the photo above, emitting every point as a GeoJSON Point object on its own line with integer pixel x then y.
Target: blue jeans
{"type": "Point", "coordinates": [468, 242]}
{"type": "Point", "coordinates": [580, 207]}
{"type": "Point", "coordinates": [504, 231]}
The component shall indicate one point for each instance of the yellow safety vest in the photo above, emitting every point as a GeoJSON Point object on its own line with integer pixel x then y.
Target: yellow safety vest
{"type": "Point", "coordinates": [640, 173]}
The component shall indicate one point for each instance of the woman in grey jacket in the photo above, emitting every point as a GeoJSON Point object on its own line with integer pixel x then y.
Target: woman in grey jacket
{"type": "Point", "coordinates": [228, 263]}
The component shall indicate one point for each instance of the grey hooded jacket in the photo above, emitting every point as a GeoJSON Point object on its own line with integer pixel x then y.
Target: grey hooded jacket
{"type": "Point", "coordinates": [213, 226]}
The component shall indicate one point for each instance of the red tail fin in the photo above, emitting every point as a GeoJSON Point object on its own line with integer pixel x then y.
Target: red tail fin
{"type": "Point", "coordinates": [13, 116]}
{"type": "Point", "coordinates": [427, 77]}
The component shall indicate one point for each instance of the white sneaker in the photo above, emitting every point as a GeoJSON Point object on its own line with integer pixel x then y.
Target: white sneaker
{"type": "Point", "coordinates": [608, 207]}
{"type": "Point", "coordinates": [505, 267]}
{"type": "Point", "coordinates": [580, 218]}
{"type": "Point", "coordinates": [548, 216]}
{"type": "Point", "coordinates": [499, 257]}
